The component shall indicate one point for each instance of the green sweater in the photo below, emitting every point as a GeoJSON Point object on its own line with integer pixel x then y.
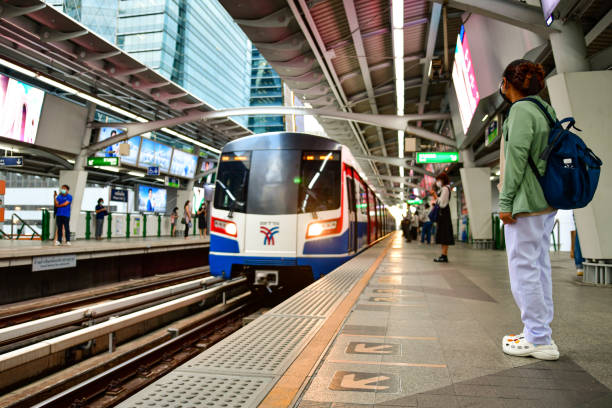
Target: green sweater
{"type": "Point", "coordinates": [526, 131]}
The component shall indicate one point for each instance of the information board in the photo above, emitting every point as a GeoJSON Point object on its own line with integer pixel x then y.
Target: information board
{"type": "Point", "coordinates": [437, 157]}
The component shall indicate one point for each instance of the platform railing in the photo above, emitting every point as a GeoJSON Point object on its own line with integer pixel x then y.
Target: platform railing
{"type": "Point", "coordinates": [22, 225]}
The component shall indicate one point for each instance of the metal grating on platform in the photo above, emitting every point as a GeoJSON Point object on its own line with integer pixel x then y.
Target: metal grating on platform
{"type": "Point", "coordinates": [241, 369]}
{"type": "Point", "coordinates": [266, 346]}
{"type": "Point", "coordinates": [307, 303]}
{"type": "Point", "coordinates": [198, 390]}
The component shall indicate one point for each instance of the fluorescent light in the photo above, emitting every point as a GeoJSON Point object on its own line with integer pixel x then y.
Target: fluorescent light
{"type": "Point", "coordinates": [397, 24]}
{"type": "Point", "coordinates": [136, 173]}
{"type": "Point", "coordinates": [108, 168]}
{"type": "Point", "coordinates": [190, 140]}
{"type": "Point", "coordinates": [397, 14]}
{"type": "Point", "coordinates": [485, 117]}
{"type": "Point", "coordinates": [70, 161]}
{"type": "Point", "coordinates": [497, 173]}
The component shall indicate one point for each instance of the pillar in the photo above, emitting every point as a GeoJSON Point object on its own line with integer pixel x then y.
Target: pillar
{"type": "Point", "coordinates": [477, 189]}
{"type": "Point", "coordinates": [76, 179]}
{"type": "Point", "coordinates": [569, 48]}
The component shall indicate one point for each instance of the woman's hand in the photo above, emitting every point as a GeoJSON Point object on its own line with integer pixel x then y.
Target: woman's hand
{"type": "Point", "coordinates": [506, 218]}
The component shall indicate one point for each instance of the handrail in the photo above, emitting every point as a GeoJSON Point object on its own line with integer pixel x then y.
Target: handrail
{"type": "Point", "coordinates": [23, 225]}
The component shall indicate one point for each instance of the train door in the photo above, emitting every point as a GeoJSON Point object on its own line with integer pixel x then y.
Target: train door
{"type": "Point", "coordinates": [352, 210]}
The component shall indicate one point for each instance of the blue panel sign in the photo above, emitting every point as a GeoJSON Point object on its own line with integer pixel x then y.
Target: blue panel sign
{"type": "Point", "coordinates": [119, 195]}
{"type": "Point", "coordinates": [11, 161]}
{"type": "Point", "coordinates": [153, 171]}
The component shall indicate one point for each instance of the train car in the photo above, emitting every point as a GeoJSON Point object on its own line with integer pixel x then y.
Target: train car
{"type": "Point", "coordinates": [289, 208]}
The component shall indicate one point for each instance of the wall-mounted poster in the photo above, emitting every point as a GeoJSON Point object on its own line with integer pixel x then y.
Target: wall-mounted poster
{"type": "Point", "coordinates": [113, 150]}
{"type": "Point", "coordinates": [183, 164]}
{"type": "Point", "coordinates": [20, 107]}
{"type": "Point", "coordinates": [151, 199]}
{"type": "Point", "coordinates": [154, 154]}
{"type": "Point", "coordinates": [464, 80]}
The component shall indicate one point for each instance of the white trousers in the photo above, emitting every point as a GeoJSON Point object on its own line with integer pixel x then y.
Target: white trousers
{"type": "Point", "coordinates": [528, 246]}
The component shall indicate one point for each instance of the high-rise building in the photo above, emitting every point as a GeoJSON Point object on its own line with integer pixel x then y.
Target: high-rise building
{"type": "Point", "coordinates": [99, 16]}
{"type": "Point", "coordinates": [195, 44]}
{"type": "Point", "coordinates": [266, 90]}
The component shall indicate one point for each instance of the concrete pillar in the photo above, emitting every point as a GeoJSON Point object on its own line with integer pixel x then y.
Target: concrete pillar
{"type": "Point", "coordinates": [587, 96]}
{"type": "Point", "coordinates": [477, 190]}
{"type": "Point", "coordinates": [76, 179]}
{"type": "Point", "coordinates": [568, 47]}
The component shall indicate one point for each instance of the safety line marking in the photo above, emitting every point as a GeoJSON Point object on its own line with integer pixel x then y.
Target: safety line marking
{"type": "Point", "coordinates": [287, 387]}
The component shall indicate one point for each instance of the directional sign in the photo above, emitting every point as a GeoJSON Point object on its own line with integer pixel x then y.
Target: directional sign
{"type": "Point", "coordinates": [11, 161]}
{"type": "Point", "coordinates": [356, 381]}
{"type": "Point", "coordinates": [373, 348]}
{"type": "Point", "coordinates": [153, 171]}
{"type": "Point", "coordinates": [173, 182]}
{"type": "Point", "coordinates": [437, 157]}
{"type": "Point", "coordinates": [103, 161]}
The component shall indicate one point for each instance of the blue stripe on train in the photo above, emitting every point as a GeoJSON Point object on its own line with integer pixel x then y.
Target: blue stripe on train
{"type": "Point", "coordinates": [222, 244]}
{"type": "Point", "coordinates": [221, 265]}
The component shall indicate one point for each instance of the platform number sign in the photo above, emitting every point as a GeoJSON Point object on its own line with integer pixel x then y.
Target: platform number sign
{"type": "Point", "coordinates": [11, 161]}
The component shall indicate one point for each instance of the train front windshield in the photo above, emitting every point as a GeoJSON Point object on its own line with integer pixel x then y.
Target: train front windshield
{"type": "Point", "coordinates": [278, 181]}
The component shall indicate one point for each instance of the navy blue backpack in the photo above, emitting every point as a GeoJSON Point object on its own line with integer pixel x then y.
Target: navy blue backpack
{"type": "Point", "coordinates": [572, 169]}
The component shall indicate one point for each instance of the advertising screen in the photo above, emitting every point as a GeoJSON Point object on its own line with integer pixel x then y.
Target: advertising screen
{"type": "Point", "coordinates": [113, 150]}
{"type": "Point", "coordinates": [151, 199]}
{"type": "Point", "coordinates": [20, 107]}
{"type": "Point", "coordinates": [154, 154]}
{"type": "Point", "coordinates": [464, 80]}
{"type": "Point", "coordinates": [548, 6]}
{"type": "Point", "coordinates": [183, 164]}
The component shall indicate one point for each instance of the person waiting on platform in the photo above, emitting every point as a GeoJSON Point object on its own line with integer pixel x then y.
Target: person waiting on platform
{"type": "Point", "coordinates": [62, 202]}
{"type": "Point", "coordinates": [186, 218]}
{"type": "Point", "coordinates": [405, 225]}
{"type": "Point", "coordinates": [101, 212]}
{"type": "Point", "coordinates": [444, 230]}
{"type": "Point", "coordinates": [426, 227]}
{"type": "Point", "coordinates": [173, 218]}
{"type": "Point", "coordinates": [414, 226]}
{"type": "Point", "coordinates": [202, 220]}
{"type": "Point", "coordinates": [527, 217]}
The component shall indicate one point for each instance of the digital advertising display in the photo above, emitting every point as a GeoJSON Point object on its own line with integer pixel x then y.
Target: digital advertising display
{"type": "Point", "coordinates": [151, 199]}
{"type": "Point", "coordinates": [464, 80]}
{"type": "Point", "coordinates": [113, 150]}
{"type": "Point", "coordinates": [154, 154]}
{"type": "Point", "coordinates": [20, 108]}
{"type": "Point", "coordinates": [183, 164]}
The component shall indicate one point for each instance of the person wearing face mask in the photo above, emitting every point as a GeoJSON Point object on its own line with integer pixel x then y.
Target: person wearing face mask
{"type": "Point", "coordinates": [62, 202]}
{"type": "Point", "coordinates": [444, 231]}
{"type": "Point", "coordinates": [101, 212]}
{"type": "Point", "coordinates": [527, 216]}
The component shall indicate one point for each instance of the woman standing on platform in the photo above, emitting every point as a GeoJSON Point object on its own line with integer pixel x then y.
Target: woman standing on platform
{"type": "Point", "coordinates": [173, 218]}
{"type": "Point", "coordinates": [187, 218]}
{"type": "Point", "coordinates": [444, 231]}
{"type": "Point", "coordinates": [527, 216]}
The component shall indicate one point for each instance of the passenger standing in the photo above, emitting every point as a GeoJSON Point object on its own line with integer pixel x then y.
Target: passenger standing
{"type": "Point", "coordinates": [444, 232]}
{"type": "Point", "coordinates": [527, 216]}
{"type": "Point", "coordinates": [405, 225]}
{"type": "Point", "coordinates": [187, 218]}
{"type": "Point", "coordinates": [426, 228]}
{"type": "Point", "coordinates": [576, 252]}
{"type": "Point", "coordinates": [173, 218]}
{"type": "Point", "coordinates": [101, 212]}
{"type": "Point", "coordinates": [202, 220]}
{"type": "Point", "coordinates": [414, 226]}
{"type": "Point", "coordinates": [62, 202]}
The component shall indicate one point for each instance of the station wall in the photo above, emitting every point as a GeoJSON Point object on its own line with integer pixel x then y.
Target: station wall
{"type": "Point", "coordinates": [62, 124]}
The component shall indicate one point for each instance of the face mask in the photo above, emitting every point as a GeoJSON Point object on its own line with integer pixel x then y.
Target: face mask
{"type": "Point", "coordinates": [503, 95]}
{"type": "Point", "coordinates": [63, 191]}
{"type": "Point", "coordinates": [439, 183]}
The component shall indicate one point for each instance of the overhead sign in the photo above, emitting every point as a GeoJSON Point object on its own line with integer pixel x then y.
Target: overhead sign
{"type": "Point", "coordinates": [491, 133]}
{"type": "Point", "coordinates": [548, 7]}
{"type": "Point", "coordinates": [464, 80]}
{"type": "Point", "coordinates": [103, 161]}
{"type": "Point", "coordinates": [437, 157]}
{"type": "Point", "coordinates": [11, 161]}
{"type": "Point", "coordinates": [173, 182]}
{"type": "Point", "coordinates": [416, 201]}
{"type": "Point", "coordinates": [153, 171]}
{"type": "Point", "coordinates": [45, 263]}
{"type": "Point", "coordinates": [119, 195]}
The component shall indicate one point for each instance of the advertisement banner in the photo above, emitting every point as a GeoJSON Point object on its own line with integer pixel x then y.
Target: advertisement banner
{"type": "Point", "coordinates": [183, 164]}
{"type": "Point", "coordinates": [20, 108]}
{"type": "Point", "coordinates": [151, 199]}
{"type": "Point", "coordinates": [154, 154]}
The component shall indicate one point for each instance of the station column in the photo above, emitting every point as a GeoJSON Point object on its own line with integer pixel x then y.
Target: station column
{"type": "Point", "coordinates": [76, 178]}
{"type": "Point", "coordinates": [477, 189]}
{"type": "Point", "coordinates": [587, 96]}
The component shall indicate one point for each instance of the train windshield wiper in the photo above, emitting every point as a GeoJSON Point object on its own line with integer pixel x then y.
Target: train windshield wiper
{"type": "Point", "coordinates": [309, 193]}
{"type": "Point", "coordinates": [233, 202]}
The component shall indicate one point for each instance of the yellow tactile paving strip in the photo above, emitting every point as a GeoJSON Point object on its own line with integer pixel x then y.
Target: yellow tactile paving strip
{"type": "Point", "coordinates": [288, 386]}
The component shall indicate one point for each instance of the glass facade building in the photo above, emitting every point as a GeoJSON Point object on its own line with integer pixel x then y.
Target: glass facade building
{"type": "Point", "coordinates": [266, 90]}
{"type": "Point", "coordinates": [99, 16]}
{"type": "Point", "coordinates": [195, 44]}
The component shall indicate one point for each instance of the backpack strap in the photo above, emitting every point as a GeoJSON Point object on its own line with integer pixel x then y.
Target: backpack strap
{"type": "Point", "coordinates": [539, 104]}
{"type": "Point", "coordinates": [533, 166]}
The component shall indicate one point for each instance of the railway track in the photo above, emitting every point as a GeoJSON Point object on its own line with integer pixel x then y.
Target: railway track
{"type": "Point", "coordinates": [50, 310]}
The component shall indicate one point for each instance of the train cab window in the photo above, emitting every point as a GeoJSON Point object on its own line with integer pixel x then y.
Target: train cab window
{"type": "Point", "coordinates": [232, 181]}
{"type": "Point", "coordinates": [274, 189]}
{"type": "Point", "coordinates": [319, 181]}
{"type": "Point", "coordinates": [363, 200]}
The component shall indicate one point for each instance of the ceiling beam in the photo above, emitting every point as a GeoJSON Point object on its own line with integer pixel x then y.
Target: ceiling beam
{"type": "Point", "coordinates": [432, 36]}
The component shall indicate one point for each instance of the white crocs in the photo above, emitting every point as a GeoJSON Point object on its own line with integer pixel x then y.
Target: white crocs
{"type": "Point", "coordinates": [520, 347]}
{"type": "Point", "coordinates": [518, 336]}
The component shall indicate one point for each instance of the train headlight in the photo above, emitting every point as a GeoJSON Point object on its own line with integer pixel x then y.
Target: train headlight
{"type": "Point", "coordinates": [314, 230]}
{"type": "Point", "coordinates": [318, 229]}
{"type": "Point", "coordinates": [230, 229]}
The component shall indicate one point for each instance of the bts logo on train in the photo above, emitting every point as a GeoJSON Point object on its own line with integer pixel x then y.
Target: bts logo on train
{"type": "Point", "coordinates": [270, 232]}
